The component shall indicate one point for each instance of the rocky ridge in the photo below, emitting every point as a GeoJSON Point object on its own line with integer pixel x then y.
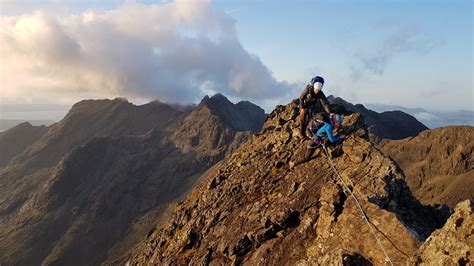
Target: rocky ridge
{"type": "Point", "coordinates": [252, 209]}
{"type": "Point", "coordinates": [59, 197]}
{"type": "Point", "coordinates": [15, 140]}
{"type": "Point", "coordinates": [385, 125]}
{"type": "Point", "coordinates": [454, 243]}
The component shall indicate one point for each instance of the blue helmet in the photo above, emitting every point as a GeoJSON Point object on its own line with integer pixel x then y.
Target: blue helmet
{"type": "Point", "coordinates": [338, 118]}
{"type": "Point", "coordinates": [316, 79]}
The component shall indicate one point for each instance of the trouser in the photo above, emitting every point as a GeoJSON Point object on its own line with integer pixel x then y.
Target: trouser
{"type": "Point", "coordinates": [304, 120]}
{"type": "Point", "coordinates": [310, 149]}
{"type": "Point", "coordinates": [309, 152]}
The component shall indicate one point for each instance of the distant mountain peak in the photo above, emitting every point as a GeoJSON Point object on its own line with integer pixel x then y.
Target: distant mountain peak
{"type": "Point", "coordinates": [92, 105]}
{"type": "Point", "coordinates": [243, 116]}
{"type": "Point", "coordinates": [216, 99]}
{"type": "Point", "coordinates": [219, 96]}
{"type": "Point", "coordinates": [388, 124]}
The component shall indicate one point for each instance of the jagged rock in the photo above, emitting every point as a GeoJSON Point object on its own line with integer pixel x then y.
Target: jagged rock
{"type": "Point", "coordinates": [420, 220]}
{"type": "Point", "coordinates": [453, 244]}
{"type": "Point", "coordinates": [343, 257]}
{"type": "Point", "coordinates": [190, 239]}
{"type": "Point", "coordinates": [356, 149]}
{"type": "Point", "coordinates": [216, 181]}
{"type": "Point", "coordinates": [331, 205]}
{"type": "Point", "coordinates": [244, 245]}
{"type": "Point", "coordinates": [284, 216]}
{"type": "Point", "coordinates": [335, 151]}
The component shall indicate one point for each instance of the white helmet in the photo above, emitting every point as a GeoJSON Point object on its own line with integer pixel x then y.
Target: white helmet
{"type": "Point", "coordinates": [318, 86]}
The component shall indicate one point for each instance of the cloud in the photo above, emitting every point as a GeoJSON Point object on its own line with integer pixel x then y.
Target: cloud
{"type": "Point", "coordinates": [426, 117]}
{"type": "Point", "coordinates": [175, 52]}
{"type": "Point", "coordinates": [401, 38]}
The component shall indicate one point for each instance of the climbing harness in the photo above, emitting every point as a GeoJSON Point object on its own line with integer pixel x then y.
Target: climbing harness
{"type": "Point", "coordinates": [364, 215]}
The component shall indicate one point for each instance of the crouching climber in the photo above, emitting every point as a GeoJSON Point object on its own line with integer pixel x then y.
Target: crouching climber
{"type": "Point", "coordinates": [320, 130]}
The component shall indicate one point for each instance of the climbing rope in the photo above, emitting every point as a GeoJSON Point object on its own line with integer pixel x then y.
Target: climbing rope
{"type": "Point", "coordinates": [364, 215]}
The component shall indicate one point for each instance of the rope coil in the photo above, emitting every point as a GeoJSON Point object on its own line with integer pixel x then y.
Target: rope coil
{"type": "Point", "coordinates": [364, 215]}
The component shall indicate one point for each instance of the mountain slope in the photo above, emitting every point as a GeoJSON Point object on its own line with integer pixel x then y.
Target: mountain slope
{"type": "Point", "coordinates": [6, 124]}
{"type": "Point", "coordinates": [385, 125]}
{"type": "Point", "coordinates": [216, 126]}
{"type": "Point", "coordinates": [95, 118]}
{"type": "Point", "coordinates": [90, 187]}
{"type": "Point", "coordinates": [15, 140]}
{"type": "Point", "coordinates": [242, 116]}
{"type": "Point", "coordinates": [432, 119]}
{"type": "Point", "coordinates": [438, 163]}
{"type": "Point", "coordinates": [252, 209]}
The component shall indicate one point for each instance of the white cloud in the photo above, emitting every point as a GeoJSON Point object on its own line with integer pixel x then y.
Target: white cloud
{"type": "Point", "coordinates": [175, 52]}
{"type": "Point", "coordinates": [400, 39]}
{"type": "Point", "coordinates": [426, 117]}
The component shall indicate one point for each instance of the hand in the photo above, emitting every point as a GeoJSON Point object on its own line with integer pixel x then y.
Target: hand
{"type": "Point", "coordinates": [302, 112]}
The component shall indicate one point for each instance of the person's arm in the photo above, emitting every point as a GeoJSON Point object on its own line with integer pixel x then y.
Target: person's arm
{"type": "Point", "coordinates": [327, 129]}
{"type": "Point", "coordinates": [324, 102]}
{"type": "Point", "coordinates": [302, 96]}
{"type": "Point", "coordinates": [310, 131]}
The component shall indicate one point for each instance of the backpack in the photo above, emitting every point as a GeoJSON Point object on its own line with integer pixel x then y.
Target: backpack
{"type": "Point", "coordinates": [318, 121]}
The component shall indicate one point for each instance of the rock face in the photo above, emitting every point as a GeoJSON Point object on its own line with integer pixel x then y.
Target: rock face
{"type": "Point", "coordinates": [95, 183]}
{"type": "Point", "coordinates": [252, 209]}
{"type": "Point", "coordinates": [454, 243]}
{"type": "Point", "coordinates": [438, 163]}
{"type": "Point", "coordinates": [385, 125]}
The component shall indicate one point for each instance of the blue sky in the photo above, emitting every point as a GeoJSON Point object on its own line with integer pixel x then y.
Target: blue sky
{"type": "Point", "coordinates": [298, 38]}
{"type": "Point", "coordinates": [410, 53]}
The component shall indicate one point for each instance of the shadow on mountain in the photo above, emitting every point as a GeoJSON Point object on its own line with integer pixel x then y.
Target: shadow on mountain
{"type": "Point", "coordinates": [420, 220]}
{"type": "Point", "coordinates": [95, 183]}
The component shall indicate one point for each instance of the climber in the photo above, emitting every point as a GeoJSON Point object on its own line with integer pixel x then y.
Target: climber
{"type": "Point", "coordinates": [312, 101]}
{"type": "Point", "coordinates": [320, 130]}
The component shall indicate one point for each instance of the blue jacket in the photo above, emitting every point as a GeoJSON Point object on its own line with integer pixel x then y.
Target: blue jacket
{"type": "Point", "coordinates": [327, 130]}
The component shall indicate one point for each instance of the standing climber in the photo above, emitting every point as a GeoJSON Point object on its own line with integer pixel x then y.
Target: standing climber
{"type": "Point", "coordinates": [312, 101]}
{"type": "Point", "coordinates": [320, 130]}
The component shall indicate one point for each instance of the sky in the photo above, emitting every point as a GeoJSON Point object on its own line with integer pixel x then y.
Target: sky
{"type": "Point", "coordinates": [409, 53]}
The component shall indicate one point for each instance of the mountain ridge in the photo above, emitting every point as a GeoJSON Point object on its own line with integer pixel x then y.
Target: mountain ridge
{"type": "Point", "coordinates": [59, 196]}
{"type": "Point", "coordinates": [236, 116]}
{"type": "Point", "coordinates": [253, 209]}
{"type": "Point", "coordinates": [385, 125]}
{"type": "Point", "coordinates": [16, 139]}
{"type": "Point", "coordinates": [436, 163]}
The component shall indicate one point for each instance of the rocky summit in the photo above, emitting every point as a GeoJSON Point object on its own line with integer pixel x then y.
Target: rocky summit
{"type": "Point", "coordinates": [253, 209]}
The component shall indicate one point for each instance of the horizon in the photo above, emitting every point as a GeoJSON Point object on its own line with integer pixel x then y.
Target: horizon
{"type": "Point", "coordinates": [44, 114]}
{"type": "Point", "coordinates": [59, 52]}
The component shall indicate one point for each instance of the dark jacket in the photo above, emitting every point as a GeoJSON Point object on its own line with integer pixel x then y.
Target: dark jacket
{"type": "Point", "coordinates": [308, 99]}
